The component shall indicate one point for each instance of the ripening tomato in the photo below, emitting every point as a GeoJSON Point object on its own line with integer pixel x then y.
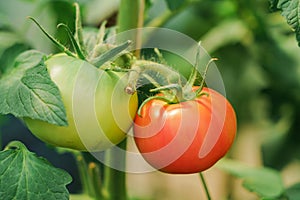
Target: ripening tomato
{"type": "Point", "coordinates": [99, 112]}
{"type": "Point", "coordinates": [187, 137]}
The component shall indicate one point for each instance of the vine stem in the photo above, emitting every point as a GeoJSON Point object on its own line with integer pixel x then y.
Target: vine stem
{"type": "Point", "coordinates": [205, 186]}
{"type": "Point", "coordinates": [82, 168]}
{"type": "Point", "coordinates": [90, 175]}
{"type": "Point", "coordinates": [114, 179]}
{"type": "Point", "coordinates": [140, 24]}
{"type": "Point", "coordinates": [94, 174]}
{"type": "Point", "coordinates": [129, 17]}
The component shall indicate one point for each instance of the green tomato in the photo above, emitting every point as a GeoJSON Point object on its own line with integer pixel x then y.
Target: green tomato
{"type": "Point", "coordinates": [99, 112]}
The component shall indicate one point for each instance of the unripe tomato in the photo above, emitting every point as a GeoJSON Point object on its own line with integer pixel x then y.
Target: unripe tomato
{"type": "Point", "coordinates": [187, 137]}
{"type": "Point", "coordinates": [99, 112]}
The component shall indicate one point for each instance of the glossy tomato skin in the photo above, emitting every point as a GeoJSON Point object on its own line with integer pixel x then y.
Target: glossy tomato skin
{"type": "Point", "coordinates": [99, 112]}
{"type": "Point", "coordinates": [187, 137]}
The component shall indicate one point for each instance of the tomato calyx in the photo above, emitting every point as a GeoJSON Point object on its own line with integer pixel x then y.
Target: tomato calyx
{"type": "Point", "coordinates": [99, 53]}
{"type": "Point", "coordinates": [171, 97]}
{"type": "Point", "coordinates": [76, 45]}
{"type": "Point", "coordinates": [172, 88]}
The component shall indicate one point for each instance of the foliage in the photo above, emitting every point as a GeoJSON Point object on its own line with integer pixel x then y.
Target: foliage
{"type": "Point", "coordinates": [293, 192]}
{"type": "Point", "coordinates": [19, 168]}
{"type": "Point", "coordinates": [290, 10]}
{"type": "Point", "coordinates": [259, 61]}
{"type": "Point", "coordinates": [266, 182]}
{"type": "Point", "coordinates": [26, 90]}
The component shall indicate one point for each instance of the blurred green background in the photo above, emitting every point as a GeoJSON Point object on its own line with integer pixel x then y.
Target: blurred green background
{"type": "Point", "coordinates": [259, 61]}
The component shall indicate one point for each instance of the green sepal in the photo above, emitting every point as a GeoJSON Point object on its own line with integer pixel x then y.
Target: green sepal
{"type": "Point", "coordinates": [110, 54]}
{"type": "Point", "coordinates": [74, 42]}
{"type": "Point", "coordinates": [60, 46]}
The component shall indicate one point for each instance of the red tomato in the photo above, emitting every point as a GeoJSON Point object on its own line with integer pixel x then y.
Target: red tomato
{"type": "Point", "coordinates": [187, 137]}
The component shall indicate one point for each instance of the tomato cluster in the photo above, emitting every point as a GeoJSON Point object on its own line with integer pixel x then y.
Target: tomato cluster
{"type": "Point", "coordinates": [183, 132]}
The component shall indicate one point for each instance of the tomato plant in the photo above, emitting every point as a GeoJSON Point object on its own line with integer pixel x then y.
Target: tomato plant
{"type": "Point", "coordinates": [85, 98]}
{"type": "Point", "coordinates": [186, 137]}
{"type": "Point", "coordinates": [98, 111]}
{"type": "Point", "coordinates": [82, 133]}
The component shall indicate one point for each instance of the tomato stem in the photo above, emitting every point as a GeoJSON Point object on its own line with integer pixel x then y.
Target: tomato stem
{"type": "Point", "coordinates": [115, 180]}
{"type": "Point", "coordinates": [132, 80]}
{"type": "Point", "coordinates": [140, 24]}
{"type": "Point", "coordinates": [151, 80]}
{"type": "Point", "coordinates": [78, 29]}
{"type": "Point", "coordinates": [142, 68]}
{"type": "Point", "coordinates": [94, 174]}
{"type": "Point", "coordinates": [84, 177]}
{"type": "Point", "coordinates": [160, 56]}
{"type": "Point", "coordinates": [131, 16]}
{"type": "Point", "coordinates": [205, 186]}
{"type": "Point", "coordinates": [90, 176]}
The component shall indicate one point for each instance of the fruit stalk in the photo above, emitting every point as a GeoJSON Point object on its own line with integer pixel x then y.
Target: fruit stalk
{"type": "Point", "coordinates": [205, 186]}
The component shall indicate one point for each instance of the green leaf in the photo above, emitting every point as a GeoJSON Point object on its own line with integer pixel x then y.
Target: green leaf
{"type": "Point", "coordinates": [8, 56]}
{"type": "Point", "coordinates": [293, 192]}
{"type": "Point", "coordinates": [290, 9]}
{"type": "Point", "coordinates": [28, 91]}
{"type": "Point", "coordinates": [265, 182]}
{"type": "Point", "coordinates": [24, 175]}
{"type": "Point", "coordinates": [11, 45]}
{"type": "Point", "coordinates": [174, 4]}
